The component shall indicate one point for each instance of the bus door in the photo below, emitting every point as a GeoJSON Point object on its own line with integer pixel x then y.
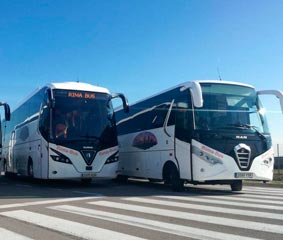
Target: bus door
{"type": "Point", "coordinates": [36, 159]}
{"type": "Point", "coordinates": [42, 144]}
{"type": "Point", "coordinates": [11, 164]}
{"type": "Point", "coordinates": [183, 136]}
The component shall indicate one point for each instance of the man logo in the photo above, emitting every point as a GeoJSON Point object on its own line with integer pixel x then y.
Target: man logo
{"type": "Point", "coordinates": [241, 137]}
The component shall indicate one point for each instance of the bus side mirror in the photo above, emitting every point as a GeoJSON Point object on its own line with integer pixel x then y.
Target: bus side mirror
{"type": "Point", "coordinates": [124, 100]}
{"type": "Point", "coordinates": [0, 138]}
{"type": "Point", "coordinates": [196, 93]}
{"type": "Point", "coordinates": [277, 93]}
{"type": "Point", "coordinates": [7, 111]}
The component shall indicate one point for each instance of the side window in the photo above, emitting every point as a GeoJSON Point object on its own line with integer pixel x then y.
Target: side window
{"type": "Point", "coordinates": [159, 115]}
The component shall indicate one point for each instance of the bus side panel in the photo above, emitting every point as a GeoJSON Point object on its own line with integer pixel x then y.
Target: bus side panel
{"type": "Point", "coordinates": [143, 154]}
{"type": "Point", "coordinates": [130, 158]}
{"type": "Point", "coordinates": [20, 152]}
{"type": "Point", "coordinates": [161, 153]}
{"type": "Point", "coordinates": [27, 148]}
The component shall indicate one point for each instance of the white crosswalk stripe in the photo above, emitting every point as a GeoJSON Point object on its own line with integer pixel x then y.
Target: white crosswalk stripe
{"type": "Point", "coordinates": [191, 215]}
{"type": "Point", "coordinates": [264, 191]}
{"type": "Point", "coordinates": [68, 227]}
{"type": "Point", "coordinates": [13, 205]}
{"type": "Point", "coordinates": [208, 208]}
{"type": "Point", "coordinates": [225, 202]}
{"type": "Point", "coordinates": [244, 199]}
{"type": "Point", "coordinates": [8, 235]}
{"type": "Point", "coordinates": [263, 196]}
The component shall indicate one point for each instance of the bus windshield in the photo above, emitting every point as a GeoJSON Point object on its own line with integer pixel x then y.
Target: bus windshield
{"type": "Point", "coordinates": [230, 107]}
{"type": "Point", "coordinates": [83, 116]}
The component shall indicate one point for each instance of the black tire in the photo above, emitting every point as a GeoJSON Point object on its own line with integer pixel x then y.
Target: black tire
{"type": "Point", "coordinates": [153, 180]}
{"type": "Point", "coordinates": [5, 170]}
{"type": "Point", "coordinates": [121, 179]}
{"type": "Point", "coordinates": [172, 177]}
{"type": "Point", "coordinates": [86, 180]}
{"type": "Point", "coordinates": [4, 166]}
{"type": "Point", "coordinates": [237, 186]}
{"type": "Point", "coordinates": [6, 173]}
{"type": "Point", "coordinates": [30, 169]}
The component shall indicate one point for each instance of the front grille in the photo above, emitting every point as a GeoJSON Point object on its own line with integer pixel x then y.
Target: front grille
{"type": "Point", "coordinates": [243, 155]}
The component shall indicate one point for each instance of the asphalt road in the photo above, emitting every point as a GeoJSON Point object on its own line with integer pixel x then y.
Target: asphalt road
{"type": "Point", "coordinates": [61, 210]}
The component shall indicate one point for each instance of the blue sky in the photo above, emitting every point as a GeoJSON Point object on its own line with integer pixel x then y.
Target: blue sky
{"type": "Point", "coordinates": [140, 47]}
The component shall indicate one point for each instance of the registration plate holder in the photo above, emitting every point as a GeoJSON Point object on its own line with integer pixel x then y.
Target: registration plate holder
{"type": "Point", "coordinates": [88, 175]}
{"type": "Point", "coordinates": [245, 175]}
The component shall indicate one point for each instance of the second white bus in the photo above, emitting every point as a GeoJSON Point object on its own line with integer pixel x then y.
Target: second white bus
{"type": "Point", "coordinates": [200, 132]}
{"type": "Point", "coordinates": [63, 130]}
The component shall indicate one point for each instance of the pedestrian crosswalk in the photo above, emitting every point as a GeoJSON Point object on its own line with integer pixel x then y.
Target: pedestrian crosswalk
{"type": "Point", "coordinates": [256, 213]}
{"type": "Point", "coordinates": [5, 234]}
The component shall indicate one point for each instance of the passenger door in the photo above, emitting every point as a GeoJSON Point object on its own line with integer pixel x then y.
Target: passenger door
{"type": "Point", "coordinates": [11, 163]}
{"type": "Point", "coordinates": [183, 134]}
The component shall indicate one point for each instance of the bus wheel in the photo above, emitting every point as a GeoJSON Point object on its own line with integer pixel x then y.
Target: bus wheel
{"type": "Point", "coordinates": [121, 179]}
{"type": "Point", "coordinates": [237, 186]}
{"type": "Point", "coordinates": [172, 177]}
{"type": "Point", "coordinates": [30, 168]}
{"type": "Point", "coordinates": [5, 170]}
{"type": "Point", "coordinates": [86, 180]}
{"type": "Point", "coordinates": [6, 173]}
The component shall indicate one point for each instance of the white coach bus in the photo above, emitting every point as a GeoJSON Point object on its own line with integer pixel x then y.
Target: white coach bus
{"type": "Point", "coordinates": [63, 130]}
{"type": "Point", "coordinates": [200, 132]}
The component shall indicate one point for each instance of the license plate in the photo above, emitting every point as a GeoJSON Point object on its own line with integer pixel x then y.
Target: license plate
{"type": "Point", "coordinates": [88, 175]}
{"type": "Point", "coordinates": [244, 175]}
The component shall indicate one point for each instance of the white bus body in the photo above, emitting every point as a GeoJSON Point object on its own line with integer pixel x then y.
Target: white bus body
{"type": "Point", "coordinates": [63, 130]}
{"type": "Point", "coordinates": [201, 132]}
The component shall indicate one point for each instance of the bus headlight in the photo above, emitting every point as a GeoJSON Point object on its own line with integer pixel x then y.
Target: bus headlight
{"type": "Point", "coordinates": [268, 162]}
{"type": "Point", "coordinates": [60, 157]}
{"type": "Point", "coordinates": [112, 158]}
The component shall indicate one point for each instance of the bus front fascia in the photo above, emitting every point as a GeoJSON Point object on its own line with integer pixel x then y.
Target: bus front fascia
{"type": "Point", "coordinates": [276, 93]}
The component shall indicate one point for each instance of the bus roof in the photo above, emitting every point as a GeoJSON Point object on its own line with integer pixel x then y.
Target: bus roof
{"type": "Point", "coordinates": [78, 86]}
{"type": "Point", "coordinates": [68, 86]}
{"type": "Point", "coordinates": [188, 83]}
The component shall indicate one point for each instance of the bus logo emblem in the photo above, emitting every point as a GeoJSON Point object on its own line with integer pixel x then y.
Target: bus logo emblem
{"type": "Point", "coordinates": [88, 156]}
